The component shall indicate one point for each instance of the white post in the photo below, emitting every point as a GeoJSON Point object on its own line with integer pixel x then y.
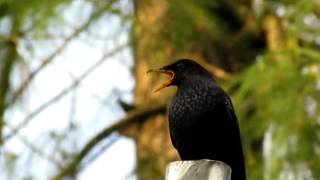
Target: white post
{"type": "Point", "coordinates": [198, 170]}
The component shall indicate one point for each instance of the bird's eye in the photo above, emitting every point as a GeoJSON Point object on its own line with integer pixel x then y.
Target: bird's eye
{"type": "Point", "coordinates": [180, 65]}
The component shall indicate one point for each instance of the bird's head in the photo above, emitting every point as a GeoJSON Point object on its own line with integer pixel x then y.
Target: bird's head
{"type": "Point", "coordinates": [180, 71]}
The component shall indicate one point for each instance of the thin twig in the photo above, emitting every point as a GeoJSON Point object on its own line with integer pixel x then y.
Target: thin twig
{"type": "Point", "coordinates": [98, 152]}
{"type": "Point", "coordinates": [216, 70]}
{"type": "Point", "coordinates": [37, 151]}
{"type": "Point", "coordinates": [134, 116]}
{"type": "Point", "coordinates": [63, 92]}
{"type": "Point", "coordinates": [92, 94]}
{"type": "Point", "coordinates": [52, 56]}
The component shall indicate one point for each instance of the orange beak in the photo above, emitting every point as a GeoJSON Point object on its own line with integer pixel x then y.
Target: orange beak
{"type": "Point", "coordinates": [166, 83]}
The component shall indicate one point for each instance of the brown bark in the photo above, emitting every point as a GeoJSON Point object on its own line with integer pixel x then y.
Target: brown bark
{"type": "Point", "coordinates": [154, 149]}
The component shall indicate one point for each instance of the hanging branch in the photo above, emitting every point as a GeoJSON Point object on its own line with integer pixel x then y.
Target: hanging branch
{"type": "Point", "coordinates": [137, 115]}
{"type": "Point", "coordinates": [52, 56]}
{"type": "Point", "coordinates": [6, 68]}
{"type": "Point", "coordinates": [64, 92]}
{"type": "Point", "coordinates": [38, 151]}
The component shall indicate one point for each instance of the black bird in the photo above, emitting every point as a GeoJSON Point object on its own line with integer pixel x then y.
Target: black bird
{"type": "Point", "coordinates": [202, 121]}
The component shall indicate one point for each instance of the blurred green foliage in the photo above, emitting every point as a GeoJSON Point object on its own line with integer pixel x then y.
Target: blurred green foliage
{"type": "Point", "coordinates": [277, 98]}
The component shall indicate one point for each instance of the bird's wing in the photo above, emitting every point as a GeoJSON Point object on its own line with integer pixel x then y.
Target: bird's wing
{"type": "Point", "coordinates": [230, 109]}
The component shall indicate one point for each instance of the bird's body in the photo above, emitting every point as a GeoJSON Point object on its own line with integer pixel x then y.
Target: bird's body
{"type": "Point", "coordinates": [202, 121]}
{"type": "Point", "coordinates": [203, 125]}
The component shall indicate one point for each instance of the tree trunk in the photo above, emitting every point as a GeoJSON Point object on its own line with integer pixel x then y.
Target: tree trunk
{"type": "Point", "coordinates": [154, 149]}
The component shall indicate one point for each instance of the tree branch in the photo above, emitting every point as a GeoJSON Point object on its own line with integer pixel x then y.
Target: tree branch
{"type": "Point", "coordinates": [52, 56]}
{"type": "Point", "coordinates": [36, 150]}
{"type": "Point", "coordinates": [85, 163]}
{"type": "Point", "coordinates": [64, 92]}
{"type": "Point", "coordinates": [6, 68]}
{"type": "Point", "coordinates": [138, 115]}
{"type": "Point", "coordinates": [215, 70]}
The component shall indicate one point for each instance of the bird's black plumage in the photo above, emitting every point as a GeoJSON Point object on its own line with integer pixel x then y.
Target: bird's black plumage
{"type": "Point", "coordinates": [202, 121]}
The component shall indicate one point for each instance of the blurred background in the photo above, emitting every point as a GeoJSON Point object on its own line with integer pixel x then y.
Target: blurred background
{"type": "Point", "coordinates": [76, 103]}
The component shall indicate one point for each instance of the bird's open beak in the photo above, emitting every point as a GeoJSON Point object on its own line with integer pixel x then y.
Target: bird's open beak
{"type": "Point", "coordinates": [166, 83]}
